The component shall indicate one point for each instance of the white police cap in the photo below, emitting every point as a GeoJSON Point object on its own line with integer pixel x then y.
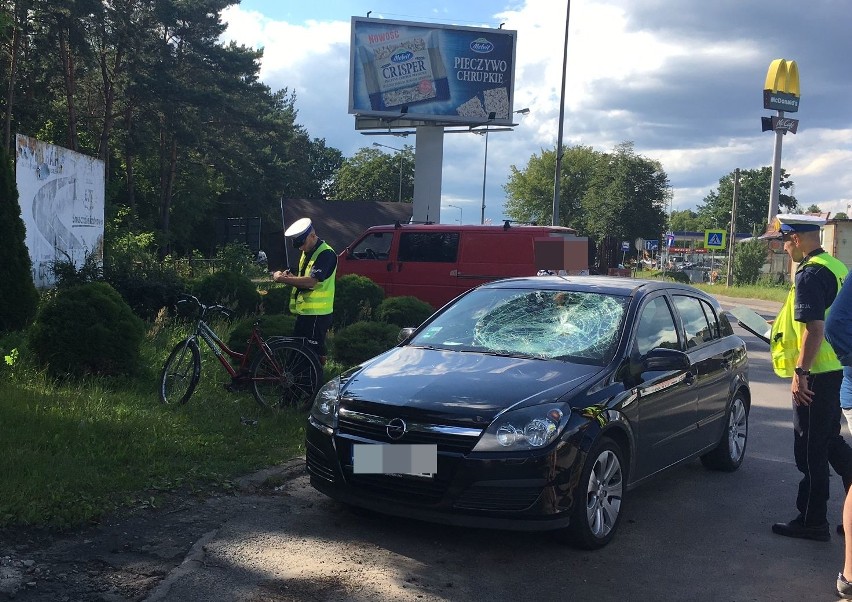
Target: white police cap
{"type": "Point", "coordinates": [793, 222]}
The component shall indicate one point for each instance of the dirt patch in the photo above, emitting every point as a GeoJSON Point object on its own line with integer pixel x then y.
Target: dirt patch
{"type": "Point", "coordinates": [127, 554]}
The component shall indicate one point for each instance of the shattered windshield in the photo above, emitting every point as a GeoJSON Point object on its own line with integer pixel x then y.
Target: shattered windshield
{"type": "Point", "coordinates": [547, 324]}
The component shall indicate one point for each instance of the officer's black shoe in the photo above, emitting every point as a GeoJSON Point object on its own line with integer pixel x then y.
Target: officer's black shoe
{"type": "Point", "coordinates": [796, 528]}
{"type": "Point", "coordinates": [844, 588]}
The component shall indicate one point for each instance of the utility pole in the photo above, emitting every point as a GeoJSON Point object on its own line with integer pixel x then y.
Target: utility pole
{"type": "Point", "coordinates": [729, 278]}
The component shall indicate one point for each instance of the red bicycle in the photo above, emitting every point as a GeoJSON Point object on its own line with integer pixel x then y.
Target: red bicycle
{"type": "Point", "coordinates": [281, 371]}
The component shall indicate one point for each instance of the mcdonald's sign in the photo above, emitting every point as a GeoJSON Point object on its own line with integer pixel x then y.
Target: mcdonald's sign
{"type": "Point", "coordinates": [781, 90]}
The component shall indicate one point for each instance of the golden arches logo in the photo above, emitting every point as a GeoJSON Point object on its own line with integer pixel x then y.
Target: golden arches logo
{"type": "Point", "coordinates": [781, 90]}
{"type": "Point", "coordinates": [783, 76]}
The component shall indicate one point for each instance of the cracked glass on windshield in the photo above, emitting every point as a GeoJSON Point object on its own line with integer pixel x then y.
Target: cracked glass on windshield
{"type": "Point", "coordinates": [547, 324]}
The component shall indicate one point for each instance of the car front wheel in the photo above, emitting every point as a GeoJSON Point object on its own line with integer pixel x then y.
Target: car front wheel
{"type": "Point", "coordinates": [598, 503]}
{"type": "Point", "coordinates": [728, 455]}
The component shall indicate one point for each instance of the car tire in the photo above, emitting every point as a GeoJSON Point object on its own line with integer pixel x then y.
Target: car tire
{"type": "Point", "coordinates": [598, 503]}
{"type": "Point", "coordinates": [728, 455]}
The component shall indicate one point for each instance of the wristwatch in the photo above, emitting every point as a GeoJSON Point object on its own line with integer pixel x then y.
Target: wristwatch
{"type": "Point", "coordinates": [802, 372]}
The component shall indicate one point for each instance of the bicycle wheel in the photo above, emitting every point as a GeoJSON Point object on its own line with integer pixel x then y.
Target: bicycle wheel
{"type": "Point", "coordinates": [287, 376]}
{"type": "Point", "coordinates": [180, 373]}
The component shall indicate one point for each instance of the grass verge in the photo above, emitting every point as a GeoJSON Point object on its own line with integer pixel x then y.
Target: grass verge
{"type": "Point", "coordinates": [71, 451]}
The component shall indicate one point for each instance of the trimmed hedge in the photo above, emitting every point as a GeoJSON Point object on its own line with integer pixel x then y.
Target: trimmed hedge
{"type": "Point", "coordinates": [271, 325]}
{"type": "Point", "coordinates": [355, 299]}
{"type": "Point", "coordinates": [234, 291]}
{"type": "Point", "coordinates": [361, 341]}
{"type": "Point", "coordinates": [403, 311]}
{"type": "Point", "coordinates": [87, 329]}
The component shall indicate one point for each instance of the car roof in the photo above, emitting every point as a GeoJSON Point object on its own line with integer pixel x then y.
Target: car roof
{"type": "Point", "coordinates": [607, 285]}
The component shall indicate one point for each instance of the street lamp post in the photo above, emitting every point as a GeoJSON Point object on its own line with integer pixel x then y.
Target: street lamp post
{"type": "Point", "coordinates": [460, 212]}
{"type": "Point", "coordinates": [484, 132]}
{"type": "Point", "coordinates": [398, 150]}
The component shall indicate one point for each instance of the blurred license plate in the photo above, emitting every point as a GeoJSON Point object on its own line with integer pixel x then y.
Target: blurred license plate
{"type": "Point", "coordinates": [395, 460]}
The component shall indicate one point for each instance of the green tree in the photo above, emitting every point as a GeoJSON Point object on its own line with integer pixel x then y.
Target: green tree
{"type": "Point", "coordinates": [752, 200]}
{"type": "Point", "coordinates": [840, 215]}
{"type": "Point", "coordinates": [686, 220]}
{"type": "Point", "coordinates": [813, 209]}
{"type": "Point", "coordinates": [748, 261]}
{"type": "Point", "coordinates": [18, 295]}
{"type": "Point", "coordinates": [627, 197]}
{"type": "Point", "coordinates": [373, 175]}
{"type": "Point", "coordinates": [529, 191]}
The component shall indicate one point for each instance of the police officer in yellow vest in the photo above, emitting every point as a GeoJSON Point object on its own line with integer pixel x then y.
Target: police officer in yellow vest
{"type": "Point", "coordinates": [800, 352]}
{"type": "Point", "coordinates": [312, 297]}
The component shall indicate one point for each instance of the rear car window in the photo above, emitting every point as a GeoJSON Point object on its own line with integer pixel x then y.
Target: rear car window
{"type": "Point", "coordinates": [696, 324]}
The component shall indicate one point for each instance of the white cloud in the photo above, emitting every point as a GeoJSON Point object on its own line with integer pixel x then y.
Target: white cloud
{"type": "Point", "coordinates": [684, 84]}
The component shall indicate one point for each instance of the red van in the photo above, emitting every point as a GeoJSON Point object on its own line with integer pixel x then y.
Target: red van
{"type": "Point", "coordinates": [437, 262]}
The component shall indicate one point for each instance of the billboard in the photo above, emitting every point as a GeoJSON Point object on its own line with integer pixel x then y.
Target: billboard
{"type": "Point", "coordinates": [61, 194]}
{"type": "Point", "coordinates": [431, 73]}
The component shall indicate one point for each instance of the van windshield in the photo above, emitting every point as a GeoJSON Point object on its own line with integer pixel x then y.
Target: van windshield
{"type": "Point", "coordinates": [575, 326]}
{"type": "Point", "coordinates": [373, 246]}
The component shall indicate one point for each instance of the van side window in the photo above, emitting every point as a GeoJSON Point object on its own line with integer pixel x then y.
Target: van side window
{"type": "Point", "coordinates": [373, 246]}
{"type": "Point", "coordinates": [434, 247]}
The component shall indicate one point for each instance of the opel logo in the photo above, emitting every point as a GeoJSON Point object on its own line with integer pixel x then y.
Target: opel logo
{"type": "Point", "coordinates": [396, 429]}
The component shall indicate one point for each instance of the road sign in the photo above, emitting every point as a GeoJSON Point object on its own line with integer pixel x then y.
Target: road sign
{"type": "Point", "coordinates": [652, 245]}
{"type": "Point", "coordinates": [669, 239]}
{"type": "Point", "coordinates": [625, 245]}
{"type": "Point", "coordinates": [714, 239]}
{"type": "Point", "coordinates": [639, 243]}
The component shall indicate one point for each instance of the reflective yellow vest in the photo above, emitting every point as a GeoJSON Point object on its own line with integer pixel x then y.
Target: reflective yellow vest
{"type": "Point", "coordinates": [318, 301]}
{"type": "Point", "coordinates": [786, 335]}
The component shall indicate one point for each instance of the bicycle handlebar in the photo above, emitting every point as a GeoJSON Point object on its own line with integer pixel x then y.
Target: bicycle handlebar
{"type": "Point", "coordinates": [205, 309]}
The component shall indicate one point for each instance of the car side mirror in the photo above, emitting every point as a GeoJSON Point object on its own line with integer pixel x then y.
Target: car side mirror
{"type": "Point", "coordinates": [405, 334]}
{"type": "Point", "coordinates": [661, 359]}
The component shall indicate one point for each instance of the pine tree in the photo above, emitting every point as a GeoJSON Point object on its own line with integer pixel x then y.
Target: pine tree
{"type": "Point", "coordinates": [18, 295]}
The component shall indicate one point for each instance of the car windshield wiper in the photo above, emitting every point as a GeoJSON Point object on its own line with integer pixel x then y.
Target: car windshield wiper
{"type": "Point", "coordinates": [518, 354]}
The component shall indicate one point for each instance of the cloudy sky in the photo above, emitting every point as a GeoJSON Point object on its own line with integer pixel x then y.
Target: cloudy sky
{"type": "Point", "coordinates": [681, 79]}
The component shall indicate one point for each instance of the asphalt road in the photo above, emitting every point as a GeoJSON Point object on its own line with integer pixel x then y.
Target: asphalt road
{"type": "Point", "coordinates": [688, 535]}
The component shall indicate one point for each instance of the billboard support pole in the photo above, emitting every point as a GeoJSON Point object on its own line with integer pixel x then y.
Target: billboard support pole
{"type": "Point", "coordinates": [557, 174]}
{"type": "Point", "coordinates": [775, 187]}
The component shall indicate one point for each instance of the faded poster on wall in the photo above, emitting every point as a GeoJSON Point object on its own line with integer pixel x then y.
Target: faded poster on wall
{"type": "Point", "coordinates": [61, 193]}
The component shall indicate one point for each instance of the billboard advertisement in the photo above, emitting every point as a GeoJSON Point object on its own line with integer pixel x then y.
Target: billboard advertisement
{"type": "Point", "coordinates": [61, 194]}
{"type": "Point", "coordinates": [432, 73]}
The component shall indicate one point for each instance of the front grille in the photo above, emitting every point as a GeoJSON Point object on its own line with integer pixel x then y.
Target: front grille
{"type": "Point", "coordinates": [449, 439]}
{"type": "Point", "coordinates": [402, 488]}
{"type": "Point", "coordinates": [317, 464]}
{"type": "Point", "coordinates": [505, 499]}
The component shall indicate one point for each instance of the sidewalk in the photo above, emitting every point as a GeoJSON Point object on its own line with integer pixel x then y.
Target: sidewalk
{"type": "Point", "coordinates": [758, 305]}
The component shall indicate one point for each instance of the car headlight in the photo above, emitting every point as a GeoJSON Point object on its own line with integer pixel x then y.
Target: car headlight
{"type": "Point", "coordinates": [525, 428]}
{"type": "Point", "coordinates": [324, 408]}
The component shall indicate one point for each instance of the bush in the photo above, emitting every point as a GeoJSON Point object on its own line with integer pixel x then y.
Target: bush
{"type": "Point", "coordinates": [132, 268]}
{"type": "Point", "coordinates": [355, 299]}
{"type": "Point", "coordinates": [87, 329]}
{"type": "Point", "coordinates": [234, 291]}
{"type": "Point", "coordinates": [276, 300]}
{"type": "Point", "coordinates": [278, 325]}
{"type": "Point", "coordinates": [361, 341]}
{"type": "Point", "coordinates": [748, 261]}
{"type": "Point", "coordinates": [403, 311]}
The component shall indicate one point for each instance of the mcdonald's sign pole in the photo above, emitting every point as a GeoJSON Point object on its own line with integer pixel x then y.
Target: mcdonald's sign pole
{"type": "Point", "coordinates": [780, 92]}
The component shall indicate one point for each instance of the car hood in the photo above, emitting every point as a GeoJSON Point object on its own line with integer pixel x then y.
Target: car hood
{"type": "Point", "coordinates": [462, 387]}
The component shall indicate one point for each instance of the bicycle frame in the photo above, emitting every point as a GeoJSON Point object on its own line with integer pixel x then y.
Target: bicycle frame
{"type": "Point", "coordinates": [224, 353]}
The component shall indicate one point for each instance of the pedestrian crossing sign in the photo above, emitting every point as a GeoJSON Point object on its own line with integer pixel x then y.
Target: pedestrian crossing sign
{"type": "Point", "coordinates": [714, 239]}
